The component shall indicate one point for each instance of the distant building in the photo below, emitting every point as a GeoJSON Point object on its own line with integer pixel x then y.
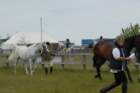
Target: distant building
{"type": "Point", "coordinates": [87, 42]}
{"type": "Point", "coordinates": [27, 38]}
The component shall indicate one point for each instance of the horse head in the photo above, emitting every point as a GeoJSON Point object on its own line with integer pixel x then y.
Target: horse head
{"type": "Point", "coordinates": [128, 45]}
{"type": "Point", "coordinates": [43, 49]}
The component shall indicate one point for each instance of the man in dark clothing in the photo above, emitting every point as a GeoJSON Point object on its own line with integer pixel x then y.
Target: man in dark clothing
{"type": "Point", "coordinates": [117, 65]}
{"type": "Point", "coordinates": [68, 43]}
{"type": "Point", "coordinates": [101, 37]}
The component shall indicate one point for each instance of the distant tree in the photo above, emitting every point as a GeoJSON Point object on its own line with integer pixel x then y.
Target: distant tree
{"type": "Point", "coordinates": [132, 30]}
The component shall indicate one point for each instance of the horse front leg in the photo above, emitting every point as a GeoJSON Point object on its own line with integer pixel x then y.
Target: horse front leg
{"type": "Point", "coordinates": [97, 66]}
{"type": "Point", "coordinates": [128, 74]}
{"type": "Point", "coordinates": [15, 67]}
{"type": "Point", "coordinates": [30, 67]}
{"type": "Point", "coordinates": [34, 67]}
{"type": "Point", "coordinates": [7, 64]}
{"type": "Point", "coordinates": [46, 67]}
{"type": "Point", "coordinates": [51, 66]}
{"type": "Point", "coordinates": [26, 69]}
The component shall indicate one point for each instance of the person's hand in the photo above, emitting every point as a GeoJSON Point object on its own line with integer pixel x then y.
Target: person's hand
{"type": "Point", "coordinates": [128, 59]}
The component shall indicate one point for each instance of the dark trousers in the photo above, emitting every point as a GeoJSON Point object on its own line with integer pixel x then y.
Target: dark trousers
{"type": "Point", "coordinates": [120, 79]}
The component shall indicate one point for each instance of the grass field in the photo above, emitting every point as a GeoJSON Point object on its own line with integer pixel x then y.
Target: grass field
{"type": "Point", "coordinates": [73, 79]}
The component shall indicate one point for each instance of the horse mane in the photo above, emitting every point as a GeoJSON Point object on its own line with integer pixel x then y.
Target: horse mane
{"type": "Point", "coordinates": [34, 45]}
{"type": "Point", "coordinates": [132, 37]}
{"type": "Point", "coordinates": [100, 43]}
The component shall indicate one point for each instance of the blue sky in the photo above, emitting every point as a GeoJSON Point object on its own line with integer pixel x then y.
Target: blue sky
{"type": "Point", "coordinates": [74, 19]}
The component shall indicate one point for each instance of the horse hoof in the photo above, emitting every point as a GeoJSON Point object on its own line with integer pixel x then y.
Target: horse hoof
{"type": "Point", "coordinates": [15, 72]}
{"type": "Point", "coordinates": [96, 76]}
{"type": "Point", "coordinates": [102, 91]}
{"type": "Point", "coordinates": [31, 74]}
{"type": "Point", "coordinates": [51, 70]}
{"type": "Point", "coordinates": [27, 74]}
{"type": "Point", "coordinates": [131, 81]}
{"type": "Point", "coordinates": [46, 71]}
{"type": "Point", "coordinates": [100, 78]}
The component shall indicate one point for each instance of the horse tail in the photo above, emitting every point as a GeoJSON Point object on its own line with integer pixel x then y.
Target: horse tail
{"type": "Point", "coordinates": [11, 57]}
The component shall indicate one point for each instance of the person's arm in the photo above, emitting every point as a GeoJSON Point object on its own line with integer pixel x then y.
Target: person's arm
{"type": "Point", "coordinates": [123, 58]}
{"type": "Point", "coordinates": [117, 56]}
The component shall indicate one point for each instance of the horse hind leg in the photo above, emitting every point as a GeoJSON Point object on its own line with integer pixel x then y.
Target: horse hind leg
{"type": "Point", "coordinates": [51, 67]}
{"type": "Point", "coordinates": [46, 70]}
{"type": "Point", "coordinates": [15, 67]}
{"type": "Point", "coordinates": [7, 64]}
{"type": "Point", "coordinates": [139, 78]}
{"type": "Point", "coordinates": [26, 67]}
{"type": "Point", "coordinates": [98, 75]}
{"type": "Point", "coordinates": [30, 68]}
{"type": "Point", "coordinates": [97, 66]}
{"type": "Point", "coordinates": [45, 67]}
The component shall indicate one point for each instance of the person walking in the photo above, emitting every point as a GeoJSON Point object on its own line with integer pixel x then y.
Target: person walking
{"type": "Point", "coordinates": [118, 66]}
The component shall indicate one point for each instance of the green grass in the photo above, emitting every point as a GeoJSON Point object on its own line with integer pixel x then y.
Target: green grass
{"type": "Point", "coordinates": [73, 79]}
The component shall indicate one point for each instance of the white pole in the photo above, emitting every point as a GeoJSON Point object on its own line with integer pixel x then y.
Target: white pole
{"type": "Point", "coordinates": [41, 29]}
{"type": "Point", "coordinates": [45, 29]}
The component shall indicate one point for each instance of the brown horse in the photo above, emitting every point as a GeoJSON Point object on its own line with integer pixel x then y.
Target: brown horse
{"type": "Point", "coordinates": [103, 48]}
{"type": "Point", "coordinates": [101, 52]}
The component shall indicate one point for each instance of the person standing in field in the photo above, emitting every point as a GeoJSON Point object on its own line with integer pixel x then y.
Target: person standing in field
{"type": "Point", "coordinates": [117, 65]}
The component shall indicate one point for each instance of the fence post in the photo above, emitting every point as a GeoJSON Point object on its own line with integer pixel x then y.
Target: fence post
{"type": "Point", "coordinates": [84, 61]}
{"type": "Point", "coordinates": [62, 64]}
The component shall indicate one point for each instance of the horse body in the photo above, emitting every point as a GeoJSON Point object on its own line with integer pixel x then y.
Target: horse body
{"type": "Point", "coordinates": [101, 54]}
{"type": "Point", "coordinates": [26, 54]}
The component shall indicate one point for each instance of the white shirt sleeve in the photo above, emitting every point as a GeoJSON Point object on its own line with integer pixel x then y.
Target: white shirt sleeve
{"type": "Point", "coordinates": [116, 53]}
